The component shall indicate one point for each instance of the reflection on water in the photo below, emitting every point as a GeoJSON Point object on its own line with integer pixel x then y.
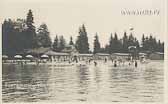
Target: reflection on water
{"type": "Point", "coordinates": [102, 83]}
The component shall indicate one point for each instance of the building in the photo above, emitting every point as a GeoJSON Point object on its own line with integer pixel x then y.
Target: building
{"type": "Point", "coordinates": [156, 56]}
{"type": "Point", "coordinates": [118, 56]}
{"type": "Point", "coordinates": [85, 56]}
{"type": "Point", "coordinates": [101, 56]}
{"type": "Point", "coordinates": [37, 52]}
{"type": "Point", "coordinates": [71, 50]}
{"type": "Point", "coordinates": [57, 56]}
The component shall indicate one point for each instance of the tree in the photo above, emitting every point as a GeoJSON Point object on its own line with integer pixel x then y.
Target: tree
{"type": "Point", "coordinates": [71, 41]}
{"type": "Point", "coordinates": [30, 33]}
{"type": "Point", "coordinates": [131, 40]}
{"type": "Point", "coordinates": [110, 48]}
{"type": "Point", "coordinates": [146, 45]}
{"type": "Point", "coordinates": [143, 42]}
{"type": "Point", "coordinates": [116, 44]}
{"type": "Point", "coordinates": [82, 44]}
{"type": "Point", "coordinates": [162, 47]}
{"type": "Point", "coordinates": [96, 44]}
{"type": "Point", "coordinates": [62, 43]}
{"type": "Point", "coordinates": [56, 44]}
{"type": "Point", "coordinates": [125, 43]}
{"type": "Point", "coordinates": [43, 38]}
{"type": "Point", "coordinates": [12, 38]}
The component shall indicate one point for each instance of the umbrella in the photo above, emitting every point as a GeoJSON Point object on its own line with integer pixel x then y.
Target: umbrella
{"type": "Point", "coordinates": [4, 56]}
{"type": "Point", "coordinates": [44, 56]}
{"type": "Point", "coordinates": [29, 56]}
{"type": "Point", "coordinates": [18, 56]}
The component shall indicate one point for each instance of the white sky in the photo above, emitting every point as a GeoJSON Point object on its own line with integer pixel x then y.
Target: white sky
{"type": "Point", "coordinates": [63, 17]}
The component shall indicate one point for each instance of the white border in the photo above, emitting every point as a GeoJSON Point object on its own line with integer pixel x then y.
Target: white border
{"type": "Point", "coordinates": [165, 67]}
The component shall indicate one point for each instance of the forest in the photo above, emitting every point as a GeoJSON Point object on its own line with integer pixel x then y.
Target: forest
{"type": "Point", "coordinates": [21, 34]}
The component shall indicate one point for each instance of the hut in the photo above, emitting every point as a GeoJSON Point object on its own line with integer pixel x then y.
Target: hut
{"type": "Point", "coordinates": [85, 56]}
{"type": "Point", "coordinates": [101, 56]}
{"type": "Point", "coordinates": [122, 56]}
{"type": "Point", "coordinates": [37, 52]}
{"type": "Point", "coordinates": [71, 50]}
{"type": "Point", "coordinates": [156, 56]}
{"type": "Point", "coordinates": [57, 56]}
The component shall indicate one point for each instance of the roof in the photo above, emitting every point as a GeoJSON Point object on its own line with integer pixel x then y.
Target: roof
{"type": "Point", "coordinates": [102, 54]}
{"type": "Point", "coordinates": [86, 55]}
{"type": "Point", "coordinates": [121, 54]}
{"type": "Point", "coordinates": [69, 48]}
{"type": "Point", "coordinates": [142, 53]}
{"type": "Point", "coordinates": [41, 50]}
{"type": "Point", "coordinates": [52, 53]}
{"type": "Point", "coordinates": [160, 53]}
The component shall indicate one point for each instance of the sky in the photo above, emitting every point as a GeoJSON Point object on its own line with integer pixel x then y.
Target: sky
{"type": "Point", "coordinates": [64, 17]}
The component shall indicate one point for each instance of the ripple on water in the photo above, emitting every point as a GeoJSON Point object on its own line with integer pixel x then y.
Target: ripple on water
{"type": "Point", "coordinates": [32, 83]}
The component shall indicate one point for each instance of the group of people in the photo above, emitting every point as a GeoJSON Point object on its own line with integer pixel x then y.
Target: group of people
{"type": "Point", "coordinates": [116, 63]}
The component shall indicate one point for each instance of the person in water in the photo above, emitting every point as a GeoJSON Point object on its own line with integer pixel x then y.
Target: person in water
{"type": "Point", "coordinates": [136, 64]}
{"type": "Point", "coordinates": [75, 59]}
{"type": "Point", "coordinates": [105, 60]}
{"type": "Point", "coordinates": [115, 63]}
{"type": "Point", "coordinates": [95, 63]}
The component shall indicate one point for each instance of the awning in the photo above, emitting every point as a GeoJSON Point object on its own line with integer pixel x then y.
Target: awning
{"type": "Point", "coordinates": [52, 53]}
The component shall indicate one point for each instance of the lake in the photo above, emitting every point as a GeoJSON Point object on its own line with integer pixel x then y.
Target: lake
{"type": "Point", "coordinates": [101, 83]}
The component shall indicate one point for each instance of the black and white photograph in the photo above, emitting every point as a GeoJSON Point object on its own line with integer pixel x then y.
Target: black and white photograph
{"type": "Point", "coordinates": [83, 51]}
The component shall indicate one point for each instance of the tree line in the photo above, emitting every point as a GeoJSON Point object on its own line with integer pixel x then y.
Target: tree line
{"type": "Point", "coordinates": [21, 34]}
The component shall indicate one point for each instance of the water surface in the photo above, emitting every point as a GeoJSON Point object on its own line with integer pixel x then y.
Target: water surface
{"type": "Point", "coordinates": [102, 83]}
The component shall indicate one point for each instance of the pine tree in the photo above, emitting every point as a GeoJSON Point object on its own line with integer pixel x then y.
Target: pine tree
{"type": "Point", "coordinates": [71, 41]}
{"type": "Point", "coordinates": [116, 44]}
{"type": "Point", "coordinates": [62, 43]}
{"type": "Point", "coordinates": [162, 47]}
{"type": "Point", "coordinates": [43, 37]}
{"type": "Point", "coordinates": [30, 20]}
{"type": "Point", "coordinates": [159, 46]}
{"type": "Point", "coordinates": [56, 44]}
{"type": "Point", "coordinates": [30, 34]}
{"type": "Point", "coordinates": [143, 42]}
{"type": "Point", "coordinates": [125, 42]}
{"type": "Point", "coordinates": [151, 45]}
{"type": "Point", "coordinates": [96, 43]}
{"type": "Point", "coordinates": [111, 44]}
{"type": "Point", "coordinates": [131, 40]}
{"type": "Point", "coordinates": [82, 44]}
{"type": "Point", "coordinates": [146, 45]}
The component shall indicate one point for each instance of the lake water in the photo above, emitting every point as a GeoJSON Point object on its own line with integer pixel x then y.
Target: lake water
{"type": "Point", "coordinates": [101, 83]}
